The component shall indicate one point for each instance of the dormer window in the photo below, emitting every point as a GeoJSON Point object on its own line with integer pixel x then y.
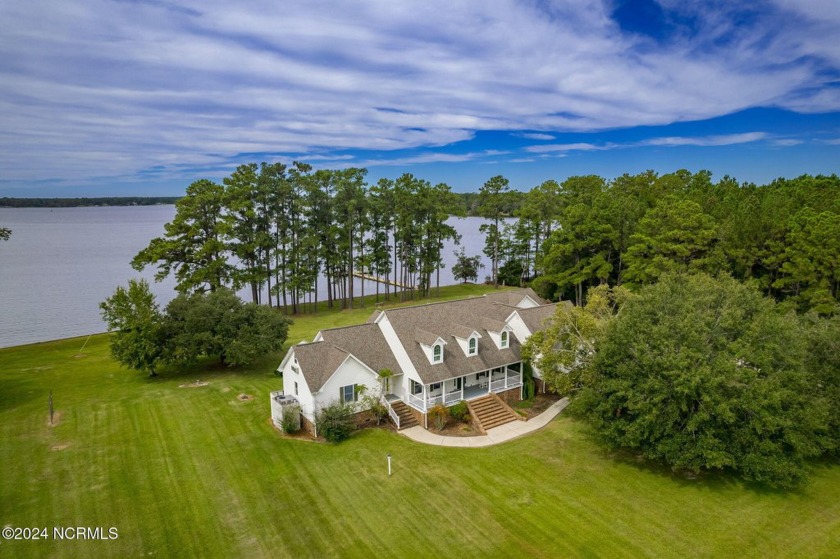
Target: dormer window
{"type": "Point", "coordinates": [503, 343]}
{"type": "Point", "coordinates": [437, 353]}
{"type": "Point", "coordinates": [473, 347]}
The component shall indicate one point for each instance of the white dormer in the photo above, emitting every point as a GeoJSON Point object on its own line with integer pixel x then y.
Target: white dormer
{"type": "Point", "coordinates": [432, 345]}
{"type": "Point", "coordinates": [437, 353]}
{"type": "Point", "coordinates": [501, 336]}
{"type": "Point", "coordinates": [467, 339]}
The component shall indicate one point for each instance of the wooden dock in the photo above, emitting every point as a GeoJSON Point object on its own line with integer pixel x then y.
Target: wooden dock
{"type": "Point", "coordinates": [369, 277]}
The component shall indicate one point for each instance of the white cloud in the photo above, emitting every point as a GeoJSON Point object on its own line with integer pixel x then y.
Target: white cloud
{"type": "Point", "coordinates": [788, 142]}
{"type": "Point", "coordinates": [581, 146]}
{"type": "Point", "coordinates": [667, 141]}
{"type": "Point", "coordinates": [103, 88]}
{"type": "Point", "coordinates": [534, 136]}
{"type": "Point", "coordinates": [725, 140]}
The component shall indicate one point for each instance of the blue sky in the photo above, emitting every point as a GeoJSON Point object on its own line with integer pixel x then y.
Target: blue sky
{"type": "Point", "coordinates": [142, 97]}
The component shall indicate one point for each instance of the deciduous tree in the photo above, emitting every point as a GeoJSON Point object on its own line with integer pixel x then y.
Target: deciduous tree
{"type": "Point", "coordinates": [139, 339]}
{"type": "Point", "coordinates": [466, 267]}
{"type": "Point", "coordinates": [219, 324]}
{"type": "Point", "coordinates": [703, 374]}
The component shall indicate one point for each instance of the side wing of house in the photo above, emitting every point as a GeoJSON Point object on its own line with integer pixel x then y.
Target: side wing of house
{"type": "Point", "coordinates": [350, 381]}
{"type": "Point", "coordinates": [295, 384]}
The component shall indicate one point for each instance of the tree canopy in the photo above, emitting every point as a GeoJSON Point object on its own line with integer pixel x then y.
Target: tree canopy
{"type": "Point", "coordinates": [216, 324]}
{"type": "Point", "coordinates": [706, 373]}
{"type": "Point", "coordinates": [139, 342]}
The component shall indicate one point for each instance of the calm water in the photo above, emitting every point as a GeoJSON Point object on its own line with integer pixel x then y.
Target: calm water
{"type": "Point", "coordinates": [61, 263]}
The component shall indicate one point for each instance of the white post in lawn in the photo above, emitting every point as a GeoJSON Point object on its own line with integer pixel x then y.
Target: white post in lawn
{"type": "Point", "coordinates": [389, 464]}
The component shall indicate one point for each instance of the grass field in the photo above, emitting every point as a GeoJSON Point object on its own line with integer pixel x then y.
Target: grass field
{"type": "Point", "coordinates": [198, 472]}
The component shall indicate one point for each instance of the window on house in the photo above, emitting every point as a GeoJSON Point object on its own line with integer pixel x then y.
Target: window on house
{"type": "Point", "coordinates": [473, 346]}
{"type": "Point", "coordinates": [504, 342]}
{"type": "Point", "coordinates": [458, 383]}
{"type": "Point", "coordinates": [437, 354]}
{"type": "Point", "coordinates": [348, 393]}
{"type": "Point", "coordinates": [433, 387]}
{"type": "Point", "coordinates": [416, 387]}
{"type": "Point", "coordinates": [296, 389]}
{"type": "Point", "coordinates": [295, 370]}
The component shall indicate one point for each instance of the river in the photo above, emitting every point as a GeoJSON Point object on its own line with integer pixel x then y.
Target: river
{"type": "Point", "coordinates": [61, 263]}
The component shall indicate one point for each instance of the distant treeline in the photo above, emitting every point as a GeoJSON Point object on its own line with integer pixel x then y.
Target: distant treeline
{"type": "Point", "coordinates": [468, 201]}
{"type": "Point", "coordinates": [82, 202]}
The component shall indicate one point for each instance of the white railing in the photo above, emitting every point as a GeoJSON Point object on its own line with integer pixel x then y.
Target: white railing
{"type": "Point", "coordinates": [434, 400]}
{"type": "Point", "coordinates": [514, 380]}
{"type": "Point", "coordinates": [417, 402]}
{"type": "Point", "coordinates": [497, 385]}
{"type": "Point", "coordinates": [452, 397]}
{"type": "Point", "coordinates": [391, 413]}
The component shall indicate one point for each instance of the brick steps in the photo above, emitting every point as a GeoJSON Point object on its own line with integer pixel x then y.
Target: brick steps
{"type": "Point", "coordinates": [491, 412]}
{"type": "Point", "coordinates": [404, 412]}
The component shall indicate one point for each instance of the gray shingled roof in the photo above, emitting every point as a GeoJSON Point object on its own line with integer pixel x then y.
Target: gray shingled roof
{"type": "Point", "coordinates": [462, 331]}
{"type": "Point", "coordinates": [513, 296]}
{"type": "Point", "coordinates": [535, 318]}
{"type": "Point", "coordinates": [319, 360]}
{"type": "Point", "coordinates": [446, 320]}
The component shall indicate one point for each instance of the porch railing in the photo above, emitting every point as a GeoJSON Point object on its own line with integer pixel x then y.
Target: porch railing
{"type": "Point", "coordinates": [432, 401]}
{"type": "Point", "coordinates": [417, 402]}
{"type": "Point", "coordinates": [453, 397]}
{"type": "Point", "coordinates": [511, 380]}
{"type": "Point", "coordinates": [391, 413]}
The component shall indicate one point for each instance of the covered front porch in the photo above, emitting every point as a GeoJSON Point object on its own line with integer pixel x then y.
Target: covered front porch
{"type": "Point", "coordinates": [467, 387]}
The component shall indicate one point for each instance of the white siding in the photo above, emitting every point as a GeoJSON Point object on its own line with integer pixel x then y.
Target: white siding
{"type": "Point", "coordinates": [290, 377]}
{"type": "Point", "coordinates": [517, 325]}
{"type": "Point", "coordinates": [351, 371]}
{"type": "Point", "coordinates": [527, 303]}
{"type": "Point", "coordinates": [409, 372]}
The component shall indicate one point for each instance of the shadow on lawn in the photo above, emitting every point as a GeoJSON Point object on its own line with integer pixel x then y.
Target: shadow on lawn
{"type": "Point", "coordinates": [21, 389]}
{"type": "Point", "coordinates": [712, 480]}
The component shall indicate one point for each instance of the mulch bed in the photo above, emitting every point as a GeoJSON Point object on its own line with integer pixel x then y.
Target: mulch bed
{"type": "Point", "coordinates": [455, 429]}
{"type": "Point", "coordinates": [540, 403]}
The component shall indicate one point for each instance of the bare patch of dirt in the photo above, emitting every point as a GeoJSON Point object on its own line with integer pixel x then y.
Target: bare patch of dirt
{"type": "Point", "coordinates": [60, 446]}
{"type": "Point", "coordinates": [245, 397]}
{"type": "Point", "coordinates": [195, 384]}
{"type": "Point", "coordinates": [56, 418]}
{"type": "Point", "coordinates": [226, 389]}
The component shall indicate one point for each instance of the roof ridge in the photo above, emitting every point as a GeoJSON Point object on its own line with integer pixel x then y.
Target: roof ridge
{"type": "Point", "coordinates": [430, 303]}
{"type": "Point", "coordinates": [346, 327]}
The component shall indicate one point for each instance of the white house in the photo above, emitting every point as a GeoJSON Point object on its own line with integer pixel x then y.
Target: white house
{"type": "Point", "coordinates": [443, 352]}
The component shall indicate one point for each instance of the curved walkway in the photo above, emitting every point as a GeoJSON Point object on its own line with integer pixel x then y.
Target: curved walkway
{"type": "Point", "coordinates": [496, 435]}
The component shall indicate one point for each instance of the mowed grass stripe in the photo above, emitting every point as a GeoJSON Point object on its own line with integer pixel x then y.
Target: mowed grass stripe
{"type": "Point", "coordinates": [198, 472]}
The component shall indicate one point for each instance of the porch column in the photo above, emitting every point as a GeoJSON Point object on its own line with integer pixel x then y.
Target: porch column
{"type": "Point", "coordinates": [425, 399]}
{"type": "Point", "coordinates": [463, 382]}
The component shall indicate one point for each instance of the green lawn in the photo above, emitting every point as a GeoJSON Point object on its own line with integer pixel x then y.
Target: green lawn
{"type": "Point", "coordinates": [198, 472]}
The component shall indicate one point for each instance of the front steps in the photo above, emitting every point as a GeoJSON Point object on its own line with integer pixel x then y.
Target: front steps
{"type": "Point", "coordinates": [489, 411]}
{"type": "Point", "coordinates": [406, 417]}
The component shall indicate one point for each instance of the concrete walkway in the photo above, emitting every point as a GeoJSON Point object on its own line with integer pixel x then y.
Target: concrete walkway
{"type": "Point", "coordinates": [496, 435]}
